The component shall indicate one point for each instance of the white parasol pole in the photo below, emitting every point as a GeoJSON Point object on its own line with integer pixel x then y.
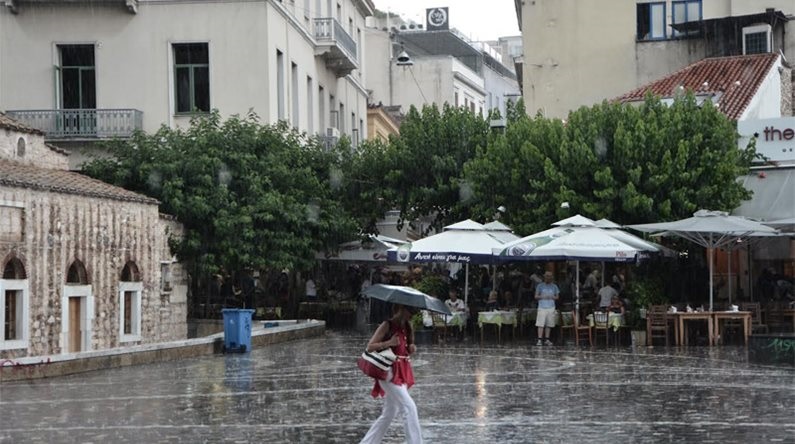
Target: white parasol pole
{"type": "Point", "coordinates": [577, 287]}
{"type": "Point", "coordinates": [709, 250]}
{"type": "Point", "coordinates": [730, 276]}
{"type": "Point", "coordinates": [466, 284]}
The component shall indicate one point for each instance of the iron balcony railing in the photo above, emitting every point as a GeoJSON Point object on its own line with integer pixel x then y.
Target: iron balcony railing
{"type": "Point", "coordinates": [328, 29]}
{"type": "Point", "coordinates": [82, 123]}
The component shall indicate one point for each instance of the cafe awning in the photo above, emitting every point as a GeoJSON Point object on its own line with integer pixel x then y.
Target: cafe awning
{"type": "Point", "coordinates": [774, 195]}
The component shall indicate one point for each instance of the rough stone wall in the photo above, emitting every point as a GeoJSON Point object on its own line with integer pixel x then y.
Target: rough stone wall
{"type": "Point", "coordinates": [103, 234]}
{"type": "Point", "coordinates": [173, 309]}
{"type": "Point", "coordinates": [787, 91]}
{"type": "Point", "coordinates": [36, 152]}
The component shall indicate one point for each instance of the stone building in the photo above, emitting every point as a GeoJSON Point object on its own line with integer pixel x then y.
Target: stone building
{"type": "Point", "coordinates": [85, 265]}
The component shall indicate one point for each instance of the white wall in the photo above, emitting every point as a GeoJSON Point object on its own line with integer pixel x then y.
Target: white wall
{"type": "Point", "coordinates": [766, 103]}
{"type": "Point", "coordinates": [134, 64]}
{"type": "Point", "coordinates": [496, 85]}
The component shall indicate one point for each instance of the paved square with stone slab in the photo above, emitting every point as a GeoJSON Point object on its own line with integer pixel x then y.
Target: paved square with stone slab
{"type": "Point", "coordinates": [311, 391]}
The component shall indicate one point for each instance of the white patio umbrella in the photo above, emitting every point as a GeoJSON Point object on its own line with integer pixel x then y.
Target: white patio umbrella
{"type": "Point", "coordinates": [568, 241]}
{"type": "Point", "coordinates": [466, 242]}
{"type": "Point", "coordinates": [710, 229]}
{"type": "Point", "coordinates": [782, 224]}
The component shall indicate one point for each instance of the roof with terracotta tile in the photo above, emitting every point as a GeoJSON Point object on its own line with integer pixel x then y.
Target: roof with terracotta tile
{"type": "Point", "coordinates": [9, 123]}
{"type": "Point", "coordinates": [20, 175]}
{"type": "Point", "coordinates": [732, 80]}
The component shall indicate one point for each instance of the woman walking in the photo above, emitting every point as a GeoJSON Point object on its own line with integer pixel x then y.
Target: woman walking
{"type": "Point", "coordinates": [397, 334]}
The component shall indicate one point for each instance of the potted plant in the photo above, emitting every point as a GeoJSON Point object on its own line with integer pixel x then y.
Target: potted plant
{"type": "Point", "coordinates": [642, 292]}
{"type": "Point", "coordinates": [422, 334]}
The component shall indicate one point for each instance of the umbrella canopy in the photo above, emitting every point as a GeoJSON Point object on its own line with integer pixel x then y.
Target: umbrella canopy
{"type": "Point", "coordinates": [576, 238]}
{"type": "Point", "coordinates": [570, 243]}
{"type": "Point", "coordinates": [467, 242]}
{"type": "Point", "coordinates": [782, 224]}
{"type": "Point", "coordinates": [411, 297]}
{"type": "Point", "coordinates": [373, 249]}
{"type": "Point", "coordinates": [710, 229]}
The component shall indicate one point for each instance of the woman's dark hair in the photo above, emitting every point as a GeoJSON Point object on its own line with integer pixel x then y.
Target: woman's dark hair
{"type": "Point", "coordinates": [409, 329]}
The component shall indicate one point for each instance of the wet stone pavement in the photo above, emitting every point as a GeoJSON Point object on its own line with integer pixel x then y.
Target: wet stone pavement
{"type": "Point", "coordinates": [311, 391]}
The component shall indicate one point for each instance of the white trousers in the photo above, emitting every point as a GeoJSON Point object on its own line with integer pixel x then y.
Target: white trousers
{"type": "Point", "coordinates": [397, 400]}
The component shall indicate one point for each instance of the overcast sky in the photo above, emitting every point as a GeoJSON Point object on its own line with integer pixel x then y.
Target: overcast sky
{"type": "Point", "coordinates": [478, 19]}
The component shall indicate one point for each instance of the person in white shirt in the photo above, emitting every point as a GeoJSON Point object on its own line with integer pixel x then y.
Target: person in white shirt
{"type": "Point", "coordinates": [455, 304]}
{"type": "Point", "coordinates": [310, 290]}
{"type": "Point", "coordinates": [606, 294]}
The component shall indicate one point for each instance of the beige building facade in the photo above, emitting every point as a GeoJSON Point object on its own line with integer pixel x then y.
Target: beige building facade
{"type": "Point", "coordinates": [580, 52]}
{"type": "Point", "coordinates": [84, 70]}
{"type": "Point", "coordinates": [85, 265]}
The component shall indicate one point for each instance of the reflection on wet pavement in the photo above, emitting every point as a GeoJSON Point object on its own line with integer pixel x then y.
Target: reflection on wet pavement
{"type": "Point", "coordinates": [311, 391]}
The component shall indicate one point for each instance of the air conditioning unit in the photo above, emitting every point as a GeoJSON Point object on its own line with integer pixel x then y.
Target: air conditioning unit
{"type": "Point", "coordinates": [332, 132]}
{"type": "Point", "coordinates": [757, 39]}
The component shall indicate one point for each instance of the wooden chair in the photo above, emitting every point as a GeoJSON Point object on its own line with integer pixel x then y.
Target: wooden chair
{"type": "Point", "coordinates": [571, 322]}
{"type": "Point", "coordinates": [600, 323]}
{"type": "Point", "coordinates": [439, 326]}
{"type": "Point", "coordinates": [656, 326]}
{"type": "Point", "coordinates": [657, 308]}
{"type": "Point", "coordinates": [756, 316]}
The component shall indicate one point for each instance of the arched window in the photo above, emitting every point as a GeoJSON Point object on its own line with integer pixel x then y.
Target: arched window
{"type": "Point", "coordinates": [14, 269]}
{"type": "Point", "coordinates": [13, 305]}
{"type": "Point", "coordinates": [130, 272]}
{"type": "Point", "coordinates": [130, 289]}
{"type": "Point", "coordinates": [77, 273]}
{"type": "Point", "coordinates": [21, 147]}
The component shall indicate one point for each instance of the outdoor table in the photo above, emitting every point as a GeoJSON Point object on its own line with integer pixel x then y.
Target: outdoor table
{"type": "Point", "coordinates": [457, 319]}
{"type": "Point", "coordinates": [681, 317]}
{"type": "Point", "coordinates": [614, 321]}
{"type": "Point", "coordinates": [497, 318]}
{"type": "Point", "coordinates": [745, 316]}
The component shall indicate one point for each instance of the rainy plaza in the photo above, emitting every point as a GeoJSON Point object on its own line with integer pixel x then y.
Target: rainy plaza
{"type": "Point", "coordinates": [311, 391]}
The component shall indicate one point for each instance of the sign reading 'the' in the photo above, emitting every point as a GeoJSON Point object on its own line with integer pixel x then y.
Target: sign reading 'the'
{"type": "Point", "coordinates": [437, 19]}
{"type": "Point", "coordinates": [775, 138]}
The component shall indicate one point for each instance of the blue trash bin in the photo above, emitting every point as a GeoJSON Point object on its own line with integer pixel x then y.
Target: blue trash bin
{"type": "Point", "coordinates": [237, 330]}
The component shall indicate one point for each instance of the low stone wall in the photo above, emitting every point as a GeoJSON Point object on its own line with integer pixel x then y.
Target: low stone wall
{"type": "Point", "coordinates": [199, 328]}
{"type": "Point", "coordinates": [60, 365]}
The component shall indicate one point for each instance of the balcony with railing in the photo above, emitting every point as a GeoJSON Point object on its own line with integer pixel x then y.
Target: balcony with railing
{"type": "Point", "coordinates": [336, 46]}
{"type": "Point", "coordinates": [81, 124]}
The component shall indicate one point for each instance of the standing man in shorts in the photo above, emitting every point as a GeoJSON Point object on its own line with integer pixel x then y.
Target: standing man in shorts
{"type": "Point", "coordinates": [546, 295]}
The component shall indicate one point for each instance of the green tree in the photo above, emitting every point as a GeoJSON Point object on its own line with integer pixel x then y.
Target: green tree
{"type": "Point", "coordinates": [249, 195]}
{"type": "Point", "coordinates": [419, 172]}
{"type": "Point", "coordinates": [653, 162]}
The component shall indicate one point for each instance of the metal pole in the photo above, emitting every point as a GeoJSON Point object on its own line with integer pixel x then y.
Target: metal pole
{"type": "Point", "coordinates": [577, 287]}
{"type": "Point", "coordinates": [709, 251]}
{"type": "Point", "coordinates": [466, 285]}
{"type": "Point", "coordinates": [730, 275]}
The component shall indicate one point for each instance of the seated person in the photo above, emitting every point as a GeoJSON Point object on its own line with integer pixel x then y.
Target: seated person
{"type": "Point", "coordinates": [492, 304]}
{"type": "Point", "coordinates": [453, 303]}
{"type": "Point", "coordinates": [606, 294]}
{"type": "Point", "coordinates": [616, 306]}
{"type": "Point", "coordinates": [507, 299]}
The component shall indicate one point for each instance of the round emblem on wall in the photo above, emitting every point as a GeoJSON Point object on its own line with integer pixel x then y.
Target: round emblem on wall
{"type": "Point", "coordinates": [437, 17]}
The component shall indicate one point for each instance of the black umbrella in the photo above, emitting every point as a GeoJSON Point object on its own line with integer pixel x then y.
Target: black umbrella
{"type": "Point", "coordinates": [397, 294]}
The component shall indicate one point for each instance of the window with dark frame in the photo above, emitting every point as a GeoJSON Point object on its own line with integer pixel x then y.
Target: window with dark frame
{"type": "Point", "coordinates": [128, 312]}
{"type": "Point", "coordinates": [77, 77]}
{"type": "Point", "coordinates": [12, 323]}
{"type": "Point", "coordinates": [192, 77]}
{"type": "Point", "coordinates": [651, 21]}
{"type": "Point", "coordinates": [756, 42]}
{"type": "Point", "coordinates": [686, 11]}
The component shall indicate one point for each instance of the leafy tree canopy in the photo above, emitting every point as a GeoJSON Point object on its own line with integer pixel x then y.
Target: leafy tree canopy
{"type": "Point", "coordinates": [249, 195]}
{"type": "Point", "coordinates": [632, 164]}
